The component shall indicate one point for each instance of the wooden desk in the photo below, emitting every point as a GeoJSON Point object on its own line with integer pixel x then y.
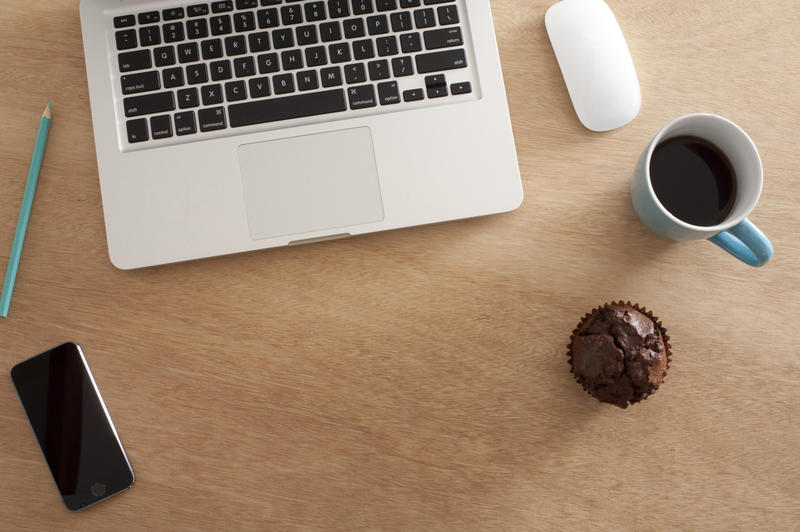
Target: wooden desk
{"type": "Point", "coordinates": [416, 380]}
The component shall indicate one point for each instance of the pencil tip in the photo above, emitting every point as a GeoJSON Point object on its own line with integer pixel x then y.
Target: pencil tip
{"type": "Point", "coordinates": [47, 111]}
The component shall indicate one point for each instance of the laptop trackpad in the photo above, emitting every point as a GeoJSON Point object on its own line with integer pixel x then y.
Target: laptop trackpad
{"type": "Point", "coordinates": [311, 183]}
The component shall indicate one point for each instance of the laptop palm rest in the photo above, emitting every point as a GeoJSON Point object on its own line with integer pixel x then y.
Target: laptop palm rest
{"type": "Point", "coordinates": [310, 183]}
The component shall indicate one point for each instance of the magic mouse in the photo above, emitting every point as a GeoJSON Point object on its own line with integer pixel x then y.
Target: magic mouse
{"type": "Point", "coordinates": [595, 62]}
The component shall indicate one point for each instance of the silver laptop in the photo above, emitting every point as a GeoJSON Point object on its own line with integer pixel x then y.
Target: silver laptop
{"type": "Point", "coordinates": [237, 125]}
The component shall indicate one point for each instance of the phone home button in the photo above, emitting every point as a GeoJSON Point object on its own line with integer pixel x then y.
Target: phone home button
{"type": "Point", "coordinates": [98, 489]}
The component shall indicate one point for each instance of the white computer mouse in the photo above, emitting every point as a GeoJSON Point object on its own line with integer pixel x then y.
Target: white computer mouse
{"type": "Point", "coordinates": [596, 63]}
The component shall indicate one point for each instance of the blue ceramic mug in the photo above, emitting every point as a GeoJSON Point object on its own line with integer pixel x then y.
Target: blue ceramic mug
{"type": "Point", "coordinates": [736, 234]}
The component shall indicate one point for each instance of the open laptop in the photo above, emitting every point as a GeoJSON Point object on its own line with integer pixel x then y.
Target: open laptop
{"type": "Point", "coordinates": [237, 125]}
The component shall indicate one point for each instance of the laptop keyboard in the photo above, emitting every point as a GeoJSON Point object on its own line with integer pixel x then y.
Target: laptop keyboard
{"type": "Point", "coordinates": [203, 70]}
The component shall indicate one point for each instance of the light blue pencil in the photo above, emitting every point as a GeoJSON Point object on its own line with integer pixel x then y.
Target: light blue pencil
{"type": "Point", "coordinates": [25, 212]}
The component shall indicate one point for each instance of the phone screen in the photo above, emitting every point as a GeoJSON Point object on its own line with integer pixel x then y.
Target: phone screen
{"type": "Point", "coordinates": [73, 427]}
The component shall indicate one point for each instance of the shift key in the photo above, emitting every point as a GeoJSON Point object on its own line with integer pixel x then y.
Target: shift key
{"type": "Point", "coordinates": [160, 102]}
{"type": "Point", "coordinates": [440, 61]}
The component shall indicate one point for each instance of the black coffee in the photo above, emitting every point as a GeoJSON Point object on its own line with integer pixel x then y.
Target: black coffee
{"type": "Point", "coordinates": [693, 180]}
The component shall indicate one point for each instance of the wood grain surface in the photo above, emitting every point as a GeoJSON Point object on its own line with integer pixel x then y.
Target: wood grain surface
{"type": "Point", "coordinates": [416, 380]}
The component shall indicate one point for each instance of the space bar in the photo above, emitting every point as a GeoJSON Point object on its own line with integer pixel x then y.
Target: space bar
{"type": "Point", "coordinates": [274, 109]}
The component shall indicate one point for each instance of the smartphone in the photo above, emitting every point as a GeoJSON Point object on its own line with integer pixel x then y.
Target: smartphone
{"type": "Point", "coordinates": [71, 422]}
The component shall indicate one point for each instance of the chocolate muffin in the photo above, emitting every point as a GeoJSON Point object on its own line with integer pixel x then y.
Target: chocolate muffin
{"type": "Point", "coordinates": [620, 353]}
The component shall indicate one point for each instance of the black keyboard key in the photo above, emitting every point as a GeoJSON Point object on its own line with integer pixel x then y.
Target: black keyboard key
{"type": "Point", "coordinates": [330, 31]}
{"type": "Point", "coordinates": [222, 7]}
{"type": "Point", "coordinates": [124, 21]}
{"type": "Point", "coordinates": [444, 38]}
{"type": "Point", "coordinates": [164, 56]}
{"type": "Point", "coordinates": [173, 32]}
{"type": "Point", "coordinates": [306, 35]}
{"type": "Point", "coordinates": [197, 28]}
{"type": "Point", "coordinates": [377, 25]}
{"type": "Point", "coordinates": [221, 25]}
{"type": "Point", "coordinates": [424, 18]}
{"type": "Point", "coordinates": [282, 38]}
{"type": "Point", "coordinates": [188, 98]}
{"type": "Point", "coordinates": [137, 130]}
{"type": "Point", "coordinates": [363, 49]}
{"type": "Point", "coordinates": [173, 14]}
{"type": "Point", "coordinates": [259, 87]}
{"type": "Point", "coordinates": [244, 67]}
{"type": "Point", "coordinates": [244, 21]}
{"type": "Point", "coordinates": [388, 93]}
{"type": "Point", "coordinates": [283, 84]}
{"type": "Point", "coordinates": [316, 56]}
{"type": "Point", "coordinates": [439, 61]}
{"type": "Point", "coordinates": [354, 28]}
{"type": "Point", "coordinates": [448, 15]}
{"type": "Point", "coordinates": [140, 82]}
{"type": "Point", "coordinates": [292, 59]}
{"type": "Point", "coordinates": [436, 86]}
{"type": "Point", "coordinates": [236, 45]}
{"type": "Point", "coordinates": [401, 21]}
{"type": "Point", "coordinates": [307, 80]}
{"type": "Point", "coordinates": [150, 17]}
{"type": "Point", "coordinates": [235, 91]}
{"type": "Point", "coordinates": [185, 123]}
{"type": "Point", "coordinates": [212, 119]}
{"type": "Point", "coordinates": [386, 45]}
{"type": "Point", "coordinates": [197, 10]}
{"type": "Point", "coordinates": [413, 95]}
{"type": "Point", "coordinates": [126, 39]}
{"type": "Point", "coordinates": [386, 5]}
{"type": "Point", "coordinates": [339, 52]}
{"type": "Point", "coordinates": [286, 108]}
{"type": "Point", "coordinates": [291, 14]}
{"type": "Point", "coordinates": [402, 66]}
{"type": "Point", "coordinates": [405, 4]}
{"type": "Point", "coordinates": [378, 70]}
{"type": "Point", "coordinates": [432, 2]}
{"type": "Point", "coordinates": [267, 18]}
{"type": "Point", "coordinates": [461, 88]}
{"type": "Point", "coordinates": [196, 74]}
{"type": "Point", "coordinates": [315, 11]}
{"type": "Point", "coordinates": [188, 53]}
{"type": "Point", "coordinates": [173, 77]}
{"type": "Point", "coordinates": [138, 60]}
{"type": "Point", "coordinates": [268, 63]}
{"type": "Point", "coordinates": [338, 8]}
{"type": "Point", "coordinates": [410, 43]}
{"type": "Point", "coordinates": [355, 73]}
{"type": "Point", "coordinates": [211, 94]}
{"type": "Point", "coordinates": [161, 127]}
{"type": "Point", "coordinates": [150, 35]}
{"type": "Point", "coordinates": [159, 102]}
{"type": "Point", "coordinates": [259, 42]}
{"type": "Point", "coordinates": [220, 70]}
{"type": "Point", "coordinates": [271, 2]}
{"type": "Point", "coordinates": [361, 97]}
{"type": "Point", "coordinates": [212, 49]}
{"type": "Point", "coordinates": [362, 7]}
{"type": "Point", "coordinates": [246, 4]}
{"type": "Point", "coordinates": [331, 77]}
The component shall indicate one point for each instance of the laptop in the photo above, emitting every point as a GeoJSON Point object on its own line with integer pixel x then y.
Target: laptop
{"type": "Point", "coordinates": [237, 125]}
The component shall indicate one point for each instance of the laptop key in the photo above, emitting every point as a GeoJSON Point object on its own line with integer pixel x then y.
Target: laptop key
{"type": "Point", "coordinates": [378, 70]}
{"type": "Point", "coordinates": [140, 82]}
{"type": "Point", "coordinates": [405, 4]}
{"type": "Point", "coordinates": [282, 38]}
{"type": "Point", "coordinates": [126, 39]}
{"type": "Point", "coordinates": [197, 29]}
{"type": "Point", "coordinates": [439, 61]}
{"type": "Point", "coordinates": [362, 97]}
{"type": "Point", "coordinates": [244, 21]}
{"type": "Point", "coordinates": [221, 25]}
{"type": "Point", "coordinates": [330, 31]}
{"type": "Point", "coordinates": [315, 11]}
{"type": "Point", "coordinates": [401, 21]}
{"type": "Point", "coordinates": [161, 127]}
{"type": "Point", "coordinates": [461, 88]}
{"type": "Point", "coordinates": [221, 7]}
{"type": "Point", "coordinates": [287, 107]}
{"type": "Point", "coordinates": [386, 5]}
{"type": "Point", "coordinates": [410, 43]}
{"type": "Point", "coordinates": [246, 4]}
{"type": "Point", "coordinates": [188, 52]}
{"type": "Point", "coordinates": [424, 18]}
{"type": "Point", "coordinates": [444, 38]}
{"type": "Point", "coordinates": [149, 17]}
{"type": "Point", "coordinates": [402, 66]}
{"type": "Point", "coordinates": [211, 94]}
{"type": "Point", "coordinates": [137, 130]}
{"type": "Point", "coordinates": [150, 35]}
{"type": "Point", "coordinates": [188, 98]}
{"type": "Point", "coordinates": [267, 63]}
{"type": "Point", "coordinates": [354, 28]}
{"type": "Point", "coordinates": [212, 49]}
{"type": "Point", "coordinates": [267, 18]}
{"type": "Point", "coordinates": [196, 74]}
{"type": "Point", "coordinates": [291, 15]}
{"type": "Point", "coordinates": [173, 14]}
{"type": "Point", "coordinates": [185, 123]}
{"type": "Point", "coordinates": [138, 60]}
{"type": "Point", "coordinates": [307, 80]}
{"type": "Point", "coordinates": [197, 10]}
{"type": "Point", "coordinates": [283, 84]}
{"type": "Point", "coordinates": [173, 32]}
{"type": "Point", "coordinates": [413, 95]}
{"type": "Point", "coordinates": [236, 45]}
{"type": "Point", "coordinates": [362, 7]}
{"type": "Point", "coordinates": [387, 45]}
{"type": "Point", "coordinates": [355, 73]}
{"type": "Point", "coordinates": [148, 104]}
{"type": "Point", "coordinates": [259, 42]}
{"type": "Point", "coordinates": [315, 56]}
{"type": "Point", "coordinates": [220, 70]}
{"type": "Point", "coordinates": [388, 93]}
{"type": "Point", "coordinates": [244, 67]}
{"type": "Point", "coordinates": [331, 77]}
{"type": "Point", "coordinates": [173, 77]}
{"type": "Point", "coordinates": [124, 21]}
{"type": "Point", "coordinates": [165, 56]}
{"type": "Point", "coordinates": [338, 8]}
{"type": "Point", "coordinates": [448, 15]}
{"type": "Point", "coordinates": [212, 119]}
{"type": "Point", "coordinates": [259, 87]}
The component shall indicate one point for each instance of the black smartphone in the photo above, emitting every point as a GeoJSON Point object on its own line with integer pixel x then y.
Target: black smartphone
{"type": "Point", "coordinates": [72, 424]}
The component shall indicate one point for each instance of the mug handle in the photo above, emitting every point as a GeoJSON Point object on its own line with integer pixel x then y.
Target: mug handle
{"type": "Point", "coordinates": [745, 242]}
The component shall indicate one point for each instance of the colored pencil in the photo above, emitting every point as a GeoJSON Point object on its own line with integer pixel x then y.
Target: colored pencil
{"type": "Point", "coordinates": [25, 212]}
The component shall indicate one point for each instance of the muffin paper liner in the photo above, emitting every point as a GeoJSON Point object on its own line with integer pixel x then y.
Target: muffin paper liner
{"type": "Point", "coordinates": [635, 306]}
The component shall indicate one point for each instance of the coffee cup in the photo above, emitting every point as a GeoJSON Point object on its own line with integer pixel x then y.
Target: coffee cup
{"type": "Point", "coordinates": [700, 178]}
